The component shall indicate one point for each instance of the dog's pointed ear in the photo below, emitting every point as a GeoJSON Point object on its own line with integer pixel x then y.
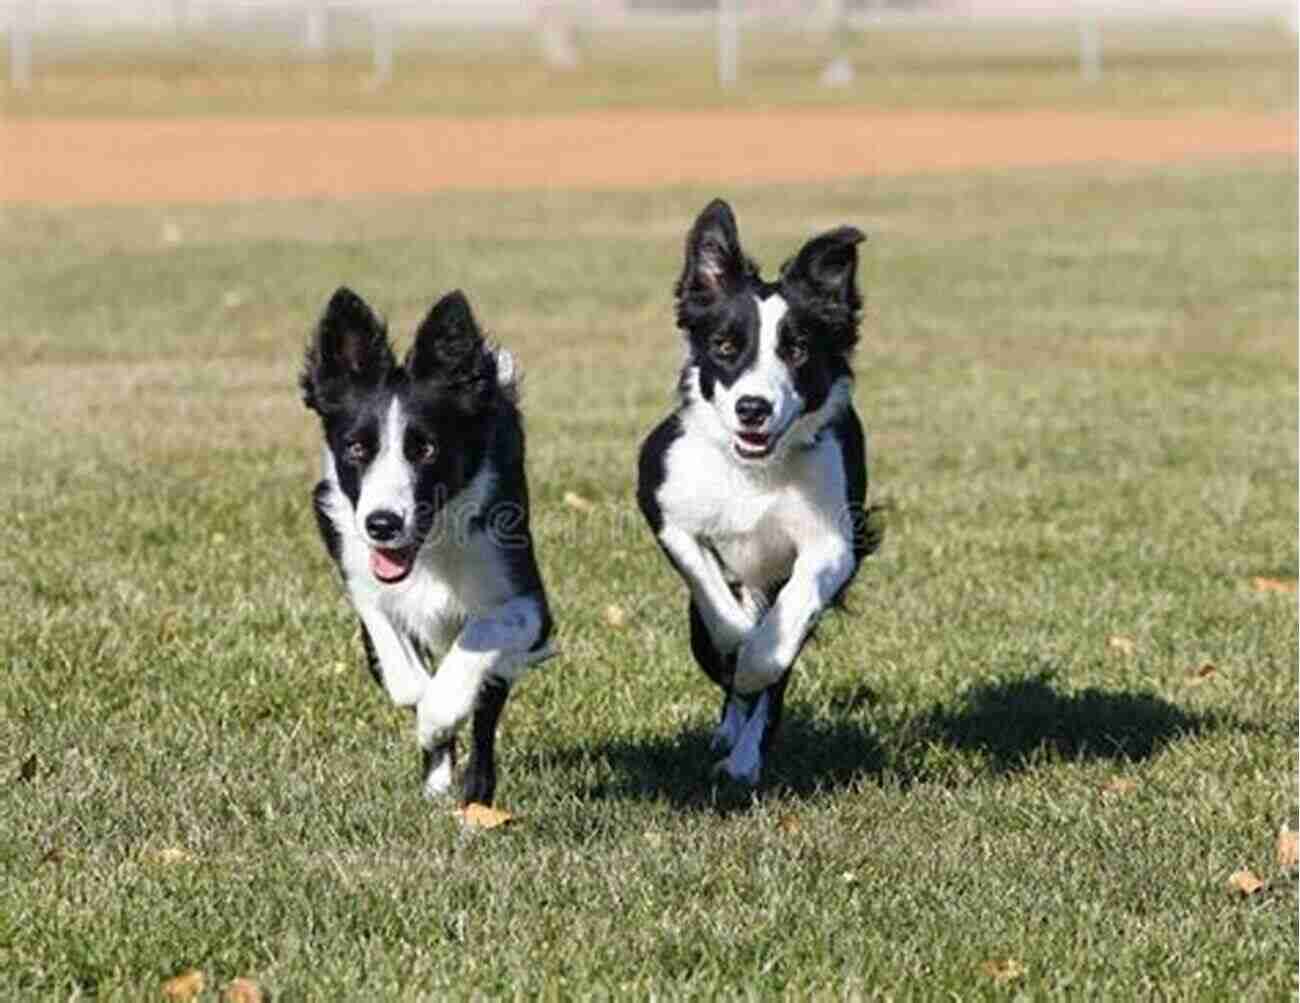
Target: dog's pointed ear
{"type": "Point", "coordinates": [350, 348]}
{"type": "Point", "coordinates": [828, 266]}
{"type": "Point", "coordinates": [821, 283]}
{"type": "Point", "coordinates": [449, 350]}
{"type": "Point", "coordinates": [715, 264]}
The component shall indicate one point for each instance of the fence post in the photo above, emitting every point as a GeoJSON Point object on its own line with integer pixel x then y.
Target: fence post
{"type": "Point", "coordinates": [555, 32]}
{"type": "Point", "coordinates": [828, 16]}
{"type": "Point", "coordinates": [317, 34]}
{"type": "Point", "coordinates": [728, 42]}
{"type": "Point", "coordinates": [1090, 50]}
{"type": "Point", "coordinates": [20, 46]}
{"type": "Point", "coordinates": [382, 40]}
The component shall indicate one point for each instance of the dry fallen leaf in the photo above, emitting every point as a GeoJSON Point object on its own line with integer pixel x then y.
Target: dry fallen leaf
{"type": "Point", "coordinates": [578, 503]}
{"type": "Point", "coordinates": [243, 991]}
{"type": "Point", "coordinates": [1119, 785]}
{"type": "Point", "coordinates": [1003, 969]}
{"type": "Point", "coordinates": [481, 816]}
{"type": "Point", "coordinates": [185, 986]}
{"type": "Point", "coordinates": [173, 855]}
{"type": "Point", "coordinates": [1120, 644]}
{"type": "Point", "coordinates": [614, 615]}
{"type": "Point", "coordinates": [1288, 852]}
{"type": "Point", "coordinates": [1262, 584]}
{"type": "Point", "coordinates": [1245, 882]}
{"type": "Point", "coordinates": [1200, 674]}
{"type": "Point", "coordinates": [788, 823]}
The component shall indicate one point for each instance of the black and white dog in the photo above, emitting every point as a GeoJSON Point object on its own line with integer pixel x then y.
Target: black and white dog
{"type": "Point", "coordinates": [424, 507]}
{"type": "Point", "coordinates": [755, 486]}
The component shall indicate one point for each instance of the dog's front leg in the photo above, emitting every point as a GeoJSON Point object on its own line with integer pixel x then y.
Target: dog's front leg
{"type": "Point", "coordinates": [727, 620]}
{"type": "Point", "coordinates": [497, 645]}
{"type": "Point", "coordinates": [397, 665]}
{"type": "Point", "coordinates": [394, 660]}
{"type": "Point", "coordinates": [771, 648]}
{"type": "Point", "coordinates": [819, 573]}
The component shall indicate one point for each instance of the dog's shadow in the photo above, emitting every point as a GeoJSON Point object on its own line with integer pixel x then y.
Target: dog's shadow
{"type": "Point", "coordinates": [1000, 727]}
{"type": "Point", "coordinates": [1014, 724]}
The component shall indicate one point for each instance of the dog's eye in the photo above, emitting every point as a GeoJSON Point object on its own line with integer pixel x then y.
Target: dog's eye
{"type": "Point", "coordinates": [356, 452]}
{"type": "Point", "coordinates": [796, 352]}
{"type": "Point", "coordinates": [725, 348]}
{"type": "Point", "coordinates": [426, 451]}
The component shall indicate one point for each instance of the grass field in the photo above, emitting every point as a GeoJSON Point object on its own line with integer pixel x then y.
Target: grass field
{"type": "Point", "coordinates": [1059, 714]}
{"type": "Point", "coordinates": [1081, 391]}
{"type": "Point", "coordinates": [1157, 67]}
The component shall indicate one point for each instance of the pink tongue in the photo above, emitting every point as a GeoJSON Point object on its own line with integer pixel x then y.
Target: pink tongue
{"type": "Point", "coordinates": [388, 564]}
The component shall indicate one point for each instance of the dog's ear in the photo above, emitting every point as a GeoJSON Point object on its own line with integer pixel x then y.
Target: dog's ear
{"type": "Point", "coordinates": [715, 264]}
{"type": "Point", "coordinates": [828, 265]}
{"type": "Point", "coordinates": [822, 280]}
{"type": "Point", "coordinates": [450, 353]}
{"type": "Point", "coordinates": [349, 349]}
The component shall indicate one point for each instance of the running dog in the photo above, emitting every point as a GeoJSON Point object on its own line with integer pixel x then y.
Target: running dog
{"type": "Point", "coordinates": [423, 506]}
{"type": "Point", "coordinates": [755, 485]}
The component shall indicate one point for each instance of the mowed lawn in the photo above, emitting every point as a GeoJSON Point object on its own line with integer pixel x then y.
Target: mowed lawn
{"type": "Point", "coordinates": [1058, 715]}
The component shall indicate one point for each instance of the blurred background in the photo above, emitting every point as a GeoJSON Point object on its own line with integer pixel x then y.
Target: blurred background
{"type": "Point", "coordinates": [158, 56]}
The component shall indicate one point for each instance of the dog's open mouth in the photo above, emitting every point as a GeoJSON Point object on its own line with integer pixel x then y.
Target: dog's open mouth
{"type": "Point", "coordinates": [754, 445]}
{"type": "Point", "coordinates": [391, 566]}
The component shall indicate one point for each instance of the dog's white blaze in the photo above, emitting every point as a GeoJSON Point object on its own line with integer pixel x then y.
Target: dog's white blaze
{"type": "Point", "coordinates": [389, 482]}
{"type": "Point", "coordinates": [768, 377]}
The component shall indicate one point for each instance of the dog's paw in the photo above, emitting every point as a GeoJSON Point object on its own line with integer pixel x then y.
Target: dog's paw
{"type": "Point", "coordinates": [747, 773]}
{"type": "Point", "coordinates": [431, 727]}
{"type": "Point", "coordinates": [439, 763]}
{"type": "Point", "coordinates": [745, 763]}
{"type": "Point", "coordinates": [734, 715]}
{"type": "Point", "coordinates": [441, 712]}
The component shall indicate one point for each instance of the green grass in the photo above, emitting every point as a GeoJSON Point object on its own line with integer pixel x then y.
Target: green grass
{"type": "Point", "coordinates": [1156, 68]}
{"type": "Point", "coordinates": [1081, 394]}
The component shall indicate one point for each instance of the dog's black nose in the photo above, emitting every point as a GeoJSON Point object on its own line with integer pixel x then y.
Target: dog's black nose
{"type": "Point", "coordinates": [383, 525]}
{"type": "Point", "coordinates": [753, 410]}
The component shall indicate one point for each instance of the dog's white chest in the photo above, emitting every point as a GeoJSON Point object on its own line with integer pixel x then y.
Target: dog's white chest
{"type": "Point", "coordinates": [428, 606]}
{"type": "Point", "coordinates": [754, 520]}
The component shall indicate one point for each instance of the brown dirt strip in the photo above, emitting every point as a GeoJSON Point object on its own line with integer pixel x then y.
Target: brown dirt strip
{"type": "Point", "coordinates": [86, 162]}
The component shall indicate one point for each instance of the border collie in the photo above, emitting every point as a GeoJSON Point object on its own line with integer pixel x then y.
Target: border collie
{"type": "Point", "coordinates": [755, 485]}
{"type": "Point", "coordinates": [423, 506]}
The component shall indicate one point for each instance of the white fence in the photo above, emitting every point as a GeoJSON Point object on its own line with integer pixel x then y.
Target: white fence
{"type": "Point", "coordinates": [42, 29]}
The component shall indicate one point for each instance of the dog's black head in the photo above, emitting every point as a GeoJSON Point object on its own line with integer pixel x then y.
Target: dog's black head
{"type": "Point", "coordinates": [404, 439]}
{"type": "Point", "coordinates": [765, 355]}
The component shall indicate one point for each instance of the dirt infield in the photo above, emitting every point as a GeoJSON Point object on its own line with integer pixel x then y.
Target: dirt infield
{"type": "Point", "coordinates": [72, 162]}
